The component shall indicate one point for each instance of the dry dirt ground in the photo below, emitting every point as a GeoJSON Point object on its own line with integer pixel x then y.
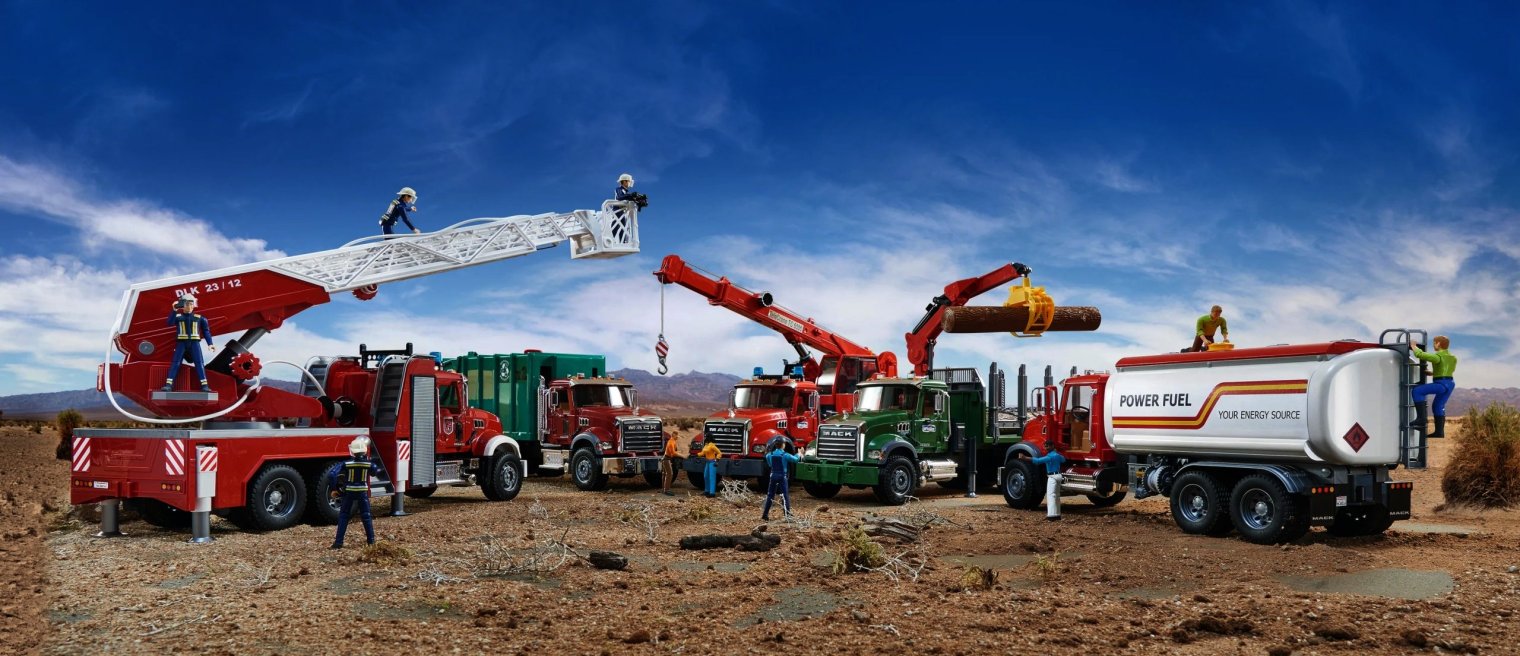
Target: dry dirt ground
{"type": "Point", "coordinates": [1120, 580]}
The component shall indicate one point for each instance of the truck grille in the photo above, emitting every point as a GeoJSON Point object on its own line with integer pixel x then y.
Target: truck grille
{"type": "Point", "coordinates": [838, 443]}
{"type": "Point", "coordinates": [729, 436]}
{"type": "Point", "coordinates": [642, 435]}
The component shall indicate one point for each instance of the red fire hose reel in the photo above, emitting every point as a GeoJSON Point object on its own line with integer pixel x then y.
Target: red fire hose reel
{"type": "Point", "coordinates": [245, 366]}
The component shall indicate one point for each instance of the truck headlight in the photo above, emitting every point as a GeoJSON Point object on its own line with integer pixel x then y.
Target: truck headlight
{"type": "Point", "coordinates": [811, 451]}
{"type": "Point", "coordinates": [606, 446]}
{"type": "Point", "coordinates": [758, 448]}
{"type": "Point", "coordinates": [874, 454]}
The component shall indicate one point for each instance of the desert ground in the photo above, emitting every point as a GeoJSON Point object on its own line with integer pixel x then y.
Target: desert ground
{"type": "Point", "coordinates": [462, 574]}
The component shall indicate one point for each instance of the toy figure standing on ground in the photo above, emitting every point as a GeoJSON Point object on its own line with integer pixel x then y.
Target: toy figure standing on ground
{"type": "Point", "coordinates": [1052, 461]}
{"type": "Point", "coordinates": [780, 463]}
{"type": "Point", "coordinates": [670, 464]}
{"type": "Point", "coordinates": [189, 329]}
{"type": "Point", "coordinates": [710, 470]}
{"type": "Point", "coordinates": [406, 201]}
{"type": "Point", "coordinates": [1443, 366]}
{"type": "Point", "coordinates": [353, 488]}
{"type": "Point", "coordinates": [1203, 333]}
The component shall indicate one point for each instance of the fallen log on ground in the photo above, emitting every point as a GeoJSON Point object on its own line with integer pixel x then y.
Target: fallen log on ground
{"type": "Point", "coordinates": [886, 527]}
{"type": "Point", "coordinates": [757, 540]}
{"type": "Point", "coordinates": [608, 560]}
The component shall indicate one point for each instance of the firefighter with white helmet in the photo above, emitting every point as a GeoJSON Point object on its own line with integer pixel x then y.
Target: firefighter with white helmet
{"type": "Point", "coordinates": [352, 487]}
{"type": "Point", "coordinates": [405, 201]}
{"type": "Point", "coordinates": [625, 192]}
{"type": "Point", "coordinates": [189, 329]}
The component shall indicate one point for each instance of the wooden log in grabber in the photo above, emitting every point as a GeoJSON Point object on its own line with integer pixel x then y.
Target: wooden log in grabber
{"type": "Point", "coordinates": [996, 319]}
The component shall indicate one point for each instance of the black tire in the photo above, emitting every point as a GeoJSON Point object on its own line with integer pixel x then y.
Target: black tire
{"type": "Point", "coordinates": [502, 479]}
{"type": "Point", "coordinates": [1112, 498]}
{"type": "Point", "coordinates": [161, 514]}
{"type": "Point", "coordinates": [321, 508]}
{"type": "Point", "coordinates": [820, 490]}
{"type": "Point", "coordinates": [276, 498]}
{"type": "Point", "coordinates": [696, 479]}
{"type": "Point", "coordinates": [896, 481]}
{"type": "Point", "coordinates": [1023, 484]}
{"type": "Point", "coordinates": [1198, 505]}
{"type": "Point", "coordinates": [586, 470]}
{"type": "Point", "coordinates": [654, 479]}
{"type": "Point", "coordinates": [420, 492]}
{"type": "Point", "coordinates": [1365, 520]}
{"type": "Point", "coordinates": [1262, 510]}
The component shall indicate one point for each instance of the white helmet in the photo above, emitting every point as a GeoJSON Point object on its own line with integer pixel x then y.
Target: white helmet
{"type": "Point", "coordinates": [625, 178]}
{"type": "Point", "coordinates": [359, 446]}
{"type": "Point", "coordinates": [407, 191]}
{"type": "Point", "coordinates": [185, 299]}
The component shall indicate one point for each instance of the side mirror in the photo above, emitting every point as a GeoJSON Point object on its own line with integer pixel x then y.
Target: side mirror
{"type": "Point", "coordinates": [733, 399]}
{"type": "Point", "coordinates": [813, 402]}
{"type": "Point", "coordinates": [554, 398]}
{"type": "Point", "coordinates": [633, 398]}
{"type": "Point", "coordinates": [939, 403]}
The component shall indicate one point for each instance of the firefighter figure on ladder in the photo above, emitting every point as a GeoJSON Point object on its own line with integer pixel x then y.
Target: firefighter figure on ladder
{"type": "Point", "coordinates": [189, 329]}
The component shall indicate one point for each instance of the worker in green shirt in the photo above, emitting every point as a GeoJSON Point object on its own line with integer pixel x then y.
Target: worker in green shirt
{"type": "Point", "coordinates": [1207, 324]}
{"type": "Point", "coordinates": [1442, 365]}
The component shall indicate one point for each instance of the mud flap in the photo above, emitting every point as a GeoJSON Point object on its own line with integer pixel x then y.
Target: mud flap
{"type": "Point", "coordinates": [1397, 495]}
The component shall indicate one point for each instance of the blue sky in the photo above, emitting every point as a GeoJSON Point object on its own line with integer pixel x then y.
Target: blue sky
{"type": "Point", "coordinates": [1323, 170]}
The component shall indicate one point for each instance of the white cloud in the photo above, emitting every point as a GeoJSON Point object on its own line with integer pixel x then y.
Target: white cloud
{"type": "Point", "coordinates": [128, 224]}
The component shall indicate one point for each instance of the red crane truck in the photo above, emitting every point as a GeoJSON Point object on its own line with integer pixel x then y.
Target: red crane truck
{"type": "Point", "coordinates": [1264, 441]}
{"type": "Point", "coordinates": [792, 404]}
{"type": "Point", "coordinates": [243, 460]}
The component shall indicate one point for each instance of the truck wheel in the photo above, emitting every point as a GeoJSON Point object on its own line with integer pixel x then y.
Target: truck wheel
{"type": "Point", "coordinates": [420, 492]}
{"type": "Point", "coordinates": [820, 490]}
{"type": "Point", "coordinates": [1262, 510]}
{"type": "Point", "coordinates": [502, 480]}
{"type": "Point", "coordinates": [1369, 520]}
{"type": "Point", "coordinates": [695, 478]}
{"type": "Point", "coordinates": [896, 482]}
{"type": "Point", "coordinates": [161, 514]}
{"type": "Point", "coordinates": [276, 498]}
{"type": "Point", "coordinates": [585, 471]}
{"type": "Point", "coordinates": [321, 508]}
{"type": "Point", "coordinates": [1023, 484]}
{"type": "Point", "coordinates": [654, 479]}
{"type": "Point", "coordinates": [1198, 506]}
{"type": "Point", "coordinates": [1114, 495]}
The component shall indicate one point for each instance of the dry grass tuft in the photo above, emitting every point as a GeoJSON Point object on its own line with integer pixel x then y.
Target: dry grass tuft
{"type": "Point", "coordinates": [857, 552]}
{"type": "Point", "coordinates": [1484, 468]}
{"type": "Point", "coordinates": [977, 578]}
{"type": "Point", "coordinates": [382, 552]}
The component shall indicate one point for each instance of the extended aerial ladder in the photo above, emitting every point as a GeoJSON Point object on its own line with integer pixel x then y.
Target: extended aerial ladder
{"type": "Point", "coordinates": [843, 363]}
{"type": "Point", "coordinates": [256, 298]}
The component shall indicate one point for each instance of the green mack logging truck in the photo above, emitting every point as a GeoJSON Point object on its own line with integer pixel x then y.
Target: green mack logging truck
{"type": "Point", "coordinates": [905, 432]}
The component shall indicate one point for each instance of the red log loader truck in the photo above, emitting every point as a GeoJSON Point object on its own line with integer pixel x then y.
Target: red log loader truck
{"type": "Point", "coordinates": [1263, 441]}
{"type": "Point", "coordinates": [256, 453]}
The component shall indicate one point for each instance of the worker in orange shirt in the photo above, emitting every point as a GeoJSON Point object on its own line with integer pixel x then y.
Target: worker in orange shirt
{"type": "Point", "coordinates": [710, 471]}
{"type": "Point", "coordinates": [670, 465]}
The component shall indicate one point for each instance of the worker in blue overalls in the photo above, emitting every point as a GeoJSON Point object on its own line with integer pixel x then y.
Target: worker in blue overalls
{"type": "Point", "coordinates": [189, 329]}
{"type": "Point", "coordinates": [1052, 461]}
{"type": "Point", "coordinates": [780, 462]}
{"type": "Point", "coordinates": [406, 201]}
{"type": "Point", "coordinates": [353, 487]}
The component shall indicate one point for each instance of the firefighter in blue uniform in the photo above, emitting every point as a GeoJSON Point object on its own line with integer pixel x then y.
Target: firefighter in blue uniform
{"type": "Point", "coordinates": [353, 487]}
{"type": "Point", "coordinates": [189, 329]}
{"type": "Point", "coordinates": [406, 201]}
{"type": "Point", "coordinates": [780, 462]}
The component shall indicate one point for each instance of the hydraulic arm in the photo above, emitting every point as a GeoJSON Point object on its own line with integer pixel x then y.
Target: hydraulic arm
{"type": "Point", "coordinates": [922, 338]}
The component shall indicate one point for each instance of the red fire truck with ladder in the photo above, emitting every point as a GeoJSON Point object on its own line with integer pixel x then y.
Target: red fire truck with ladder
{"type": "Point", "coordinates": [792, 404]}
{"type": "Point", "coordinates": [242, 461]}
{"type": "Point", "coordinates": [1263, 441]}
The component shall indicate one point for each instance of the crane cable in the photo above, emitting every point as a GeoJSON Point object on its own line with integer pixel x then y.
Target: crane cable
{"type": "Point", "coordinates": [661, 347]}
{"type": "Point", "coordinates": [257, 382]}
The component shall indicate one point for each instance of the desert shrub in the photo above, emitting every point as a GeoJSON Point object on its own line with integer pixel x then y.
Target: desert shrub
{"type": "Point", "coordinates": [857, 553]}
{"type": "Point", "coordinates": [1484, 468]}
{"type": "Point", "coordinates": [67, 421]}
{"type": "Point", "coordinates": [977, 578]}
{"type": "Point", "coordinates": [382, 552]}
{"type": "Point", "coordinates": [37, 428]}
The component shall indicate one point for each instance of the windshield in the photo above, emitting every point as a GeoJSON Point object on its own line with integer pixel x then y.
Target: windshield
{"type": "Point", "coordinates": [887, 397]}
{"type": "Point", "coordinates": [608, 396]}
{"type": "Point", "coordinates": [773, 396]}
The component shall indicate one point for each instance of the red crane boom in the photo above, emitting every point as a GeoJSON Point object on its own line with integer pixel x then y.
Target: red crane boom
{"type": "Point", "coordinates": [922, 338]}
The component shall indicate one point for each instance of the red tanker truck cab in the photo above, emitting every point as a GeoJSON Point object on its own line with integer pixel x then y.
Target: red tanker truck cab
{"type": "Point", "coordinates": [760, 410]}
{"type": "Point", "coordinates": [1264, 441]}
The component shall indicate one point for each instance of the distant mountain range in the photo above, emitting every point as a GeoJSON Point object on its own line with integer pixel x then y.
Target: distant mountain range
{"type": "Point", "coordinates": [689, 393]}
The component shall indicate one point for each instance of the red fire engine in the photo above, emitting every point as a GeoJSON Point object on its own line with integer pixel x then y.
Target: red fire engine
{"type": "Point", "coordinates": [259, 452]}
